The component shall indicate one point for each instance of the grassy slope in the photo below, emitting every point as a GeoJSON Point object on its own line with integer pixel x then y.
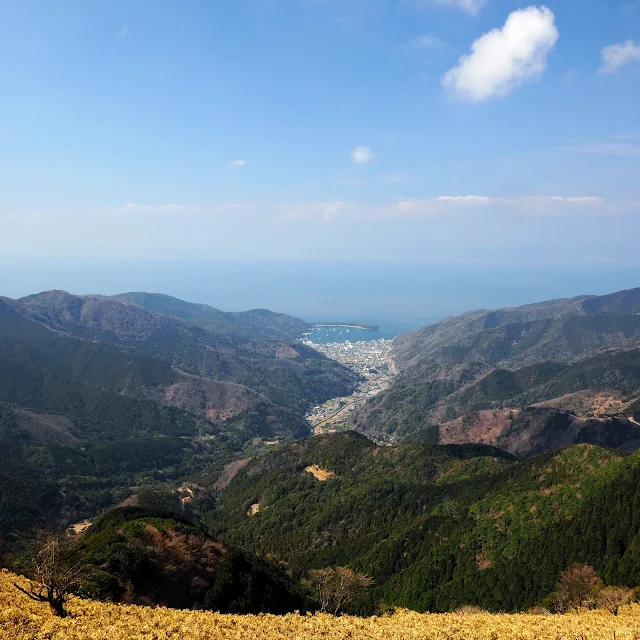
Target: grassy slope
{"type": "Point", "coordinates": [23, 619]}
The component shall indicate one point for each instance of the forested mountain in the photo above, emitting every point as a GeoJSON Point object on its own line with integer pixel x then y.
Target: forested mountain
{"type": "Point", "coordinates": [284, 370]}
{"type": "Point", "coordinates": [438, 527]}
{"type": "Point", "coordinates": [97, 396]}
{"type": "Point", "coordinates": [551, 352]}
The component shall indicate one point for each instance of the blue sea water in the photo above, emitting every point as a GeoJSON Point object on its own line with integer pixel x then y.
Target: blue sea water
{"type": "Point", "coordinates": [396, 296]}
{"type": "Point", "coordinates": [325, 335]}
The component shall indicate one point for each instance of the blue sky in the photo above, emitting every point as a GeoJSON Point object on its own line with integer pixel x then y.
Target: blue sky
{"type": "Point", "coordinates": [447, 130]}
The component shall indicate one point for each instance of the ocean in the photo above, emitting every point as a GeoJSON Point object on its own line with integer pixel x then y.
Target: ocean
{"type": "Point", "coordinates": [397, 296]}
{"type": "Point", "coordinates": [325, 335]}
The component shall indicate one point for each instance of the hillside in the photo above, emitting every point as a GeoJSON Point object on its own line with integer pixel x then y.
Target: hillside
{"type": "Point", "coordinates": [533, 430]}
{"type": "Point", "coordinates": [439, 527]}
{"type": "Point", "coordinates": [510, 359]}
{"type": "Point", "coordinates": [416, 402]}
{"type": "Point", "coordinates": [285, 371]}
{"type": "Point", "coordinates": [23, 619]}
{"type": "Point", "coordinates": [98, 396]}
{"type": "Point", "coordinates": [152, 554]}
{"type": "Point", "coordinates": [556, 330]}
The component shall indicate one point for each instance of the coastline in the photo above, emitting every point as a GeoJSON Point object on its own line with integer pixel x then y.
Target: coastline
{"type": "Point", "coordinates": [362, 327]}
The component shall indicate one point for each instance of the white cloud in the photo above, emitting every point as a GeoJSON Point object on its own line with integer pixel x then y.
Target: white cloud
{"type": "Point", "coordinates": [617, 55]}
{"type": "Point", "coordinates": [504, 58]}
{"type": "Point", "coordinates": [238, 163]}
{"type": "Point", "coordinates": [469, 199]}
{"type": "Point", "coordinates": [579, 199]}
{"type": "Point", "coordinates": [426, 41]}
{"type": "Point", "coordinates": [362, 155]}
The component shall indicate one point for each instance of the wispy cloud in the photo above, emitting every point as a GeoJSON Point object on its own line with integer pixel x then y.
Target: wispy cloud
{"type": "Point", "coordinates": [505, 58]}
{"type": "Point", "coordinates": [530, 205]}
{"type": "Point", "coordinates": [314, 211]}
{"type": "Point", "coordinates": [238, 163]}
{"type": "Point", "coordinates": [399, 176]}
{"type": "Point", "coordinates": [426, 41]}
{"type": "Point", "coordinates": [151, 208]}
{"type": "Point", "coordinates": [626, 136]}
{"type": "Point", "coordinates": [265, 211]}
{"type": "Point", "coordinates": [616, 56]}
{"type": "Point", "coordinates": [470, 6]}
{"type": "Point", "coordinates": [335, 211]}
{"type": "Point", "coordinates": [124, 31]}
{"type": "Point", "coordinates": [171, 209]}
{"type": "Point", "coordinates": [362, 155]}
{"type": "Point", "coordinates": [624, 149]}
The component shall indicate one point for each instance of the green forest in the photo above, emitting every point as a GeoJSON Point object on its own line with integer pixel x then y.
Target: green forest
{"type": "Point", "coordinates": [440, 527]}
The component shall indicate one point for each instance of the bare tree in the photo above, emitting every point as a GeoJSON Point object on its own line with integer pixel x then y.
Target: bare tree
{"type": "Point", "coordinates": [612, 598]}
{"type": "Point", "coordinates": [334, 587]}
{"type": "Point", "coordinates": [577, 587]}
{"type": "Point", "coordinates": [55, 571]}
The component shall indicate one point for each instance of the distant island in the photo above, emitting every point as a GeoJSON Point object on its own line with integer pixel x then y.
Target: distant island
{"type": "Point", "coordinates": [348, 325]}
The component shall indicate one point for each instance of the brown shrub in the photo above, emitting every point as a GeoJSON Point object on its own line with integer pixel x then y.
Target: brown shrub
{"type": "Point", "coordinates": [612, 598]}
{"type": "Point", "coordinates": [577, 588]}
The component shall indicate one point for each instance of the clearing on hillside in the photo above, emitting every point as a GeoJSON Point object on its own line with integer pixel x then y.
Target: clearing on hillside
{"type": "Point", "coordinates": [321, 474]}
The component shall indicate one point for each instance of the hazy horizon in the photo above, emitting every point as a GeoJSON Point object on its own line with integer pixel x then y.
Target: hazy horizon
{"type": "Point", "coordinates": [396, 295]}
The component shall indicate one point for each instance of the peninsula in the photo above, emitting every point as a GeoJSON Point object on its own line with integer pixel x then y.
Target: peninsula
{"type": "Point", "coordinates": [347, 325]}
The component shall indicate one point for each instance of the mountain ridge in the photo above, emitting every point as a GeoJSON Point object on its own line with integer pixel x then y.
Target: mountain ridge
{"type": "Point", "coordinates": [509, 359]}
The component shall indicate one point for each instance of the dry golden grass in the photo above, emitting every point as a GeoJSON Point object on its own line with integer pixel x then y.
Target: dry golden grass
{"type": "Point", "coordinates": [321, 474]}
{"type": "Point", "coordinates": [22, 619]}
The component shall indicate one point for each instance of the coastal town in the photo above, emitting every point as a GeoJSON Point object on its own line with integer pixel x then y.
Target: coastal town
{"type": "Point", "coordinates": [372, 360]}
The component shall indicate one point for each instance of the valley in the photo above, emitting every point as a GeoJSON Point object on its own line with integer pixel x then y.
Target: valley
{"type": "Point", "coordinates": [467, 463]}
{"type": "Point", "coordinates": [372, 360]}
{"type": "Point", "coordinates": [100, 396]}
